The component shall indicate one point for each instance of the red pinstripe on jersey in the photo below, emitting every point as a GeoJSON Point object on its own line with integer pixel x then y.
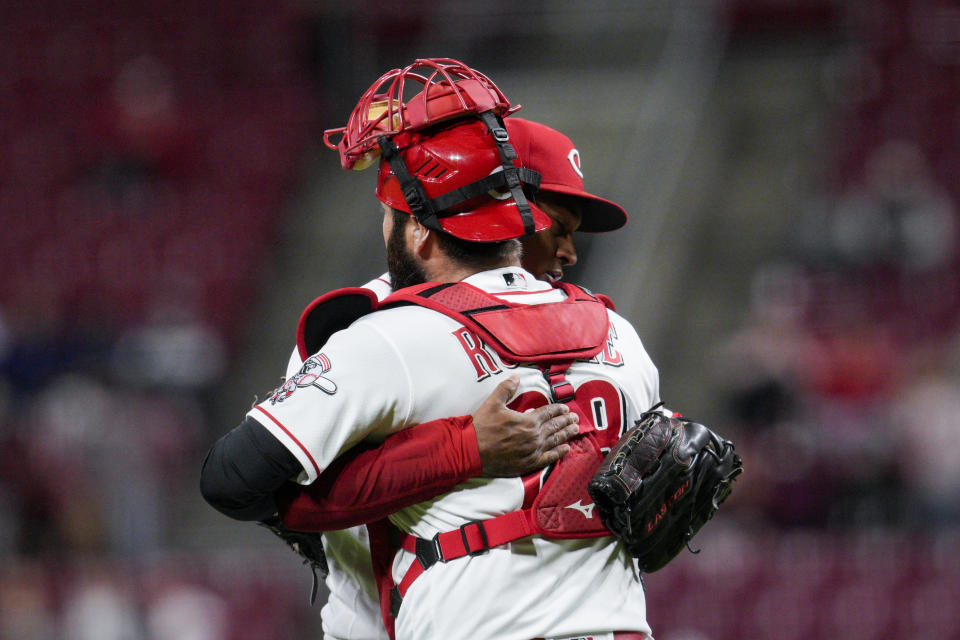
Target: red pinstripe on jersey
{"type": "Point", "coordinates": [291, 436]}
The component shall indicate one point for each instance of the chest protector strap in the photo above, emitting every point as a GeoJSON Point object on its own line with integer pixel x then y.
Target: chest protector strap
{"type": "Point", "coordinates": [551, 336]}
{"type": "Point", "coordinates": [562, 509]}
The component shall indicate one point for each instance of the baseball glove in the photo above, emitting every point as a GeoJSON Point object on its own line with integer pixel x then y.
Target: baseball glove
{"type": "Point", "coordinates": [308, 546]}
{"type": "Point", "coordinates": [661, 483]}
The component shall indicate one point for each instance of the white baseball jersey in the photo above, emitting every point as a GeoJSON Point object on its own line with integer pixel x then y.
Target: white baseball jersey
{"type": "Point", "coordinates": [352, 611]}
{"type": "Point", "coordinates": [407, 365]}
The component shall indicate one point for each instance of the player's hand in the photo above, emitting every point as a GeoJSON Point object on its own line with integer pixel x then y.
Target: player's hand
{"type": "Point", "coordinates": [513, 444]}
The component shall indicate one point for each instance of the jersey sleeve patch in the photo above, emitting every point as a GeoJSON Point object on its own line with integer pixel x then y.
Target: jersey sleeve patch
{"type": "Point", "coordinates": [311, 374]}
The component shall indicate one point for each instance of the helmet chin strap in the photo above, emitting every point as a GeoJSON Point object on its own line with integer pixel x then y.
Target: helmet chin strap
{"type": "Point", "coordinates": [510, 171]}
{"type": "Point", "coordinates": [428, 210]}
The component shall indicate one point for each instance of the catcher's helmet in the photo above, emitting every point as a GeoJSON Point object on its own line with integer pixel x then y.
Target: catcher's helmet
{"type": "Point", "coordinates": [460, 170]}
{"type": "Point", "coordinates": [445, 155]}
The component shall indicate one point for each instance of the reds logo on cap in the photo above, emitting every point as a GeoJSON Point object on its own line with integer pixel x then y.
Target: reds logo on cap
{"type": "Point", "coordinates": [574, 158]}
{"type": "Point", "coordinates": [549, 153]}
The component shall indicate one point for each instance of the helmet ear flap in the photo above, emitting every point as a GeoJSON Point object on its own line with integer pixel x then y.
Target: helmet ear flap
{"type": "Point", "coordinates": [414, 194]}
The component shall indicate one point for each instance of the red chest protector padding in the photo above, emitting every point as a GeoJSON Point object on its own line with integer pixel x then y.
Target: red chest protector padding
{"type": "Point", "coordinates": [550, 333]}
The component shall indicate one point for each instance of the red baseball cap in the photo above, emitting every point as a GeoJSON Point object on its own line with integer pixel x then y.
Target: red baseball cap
{"type": "Point", "coordinates": [553, 155]}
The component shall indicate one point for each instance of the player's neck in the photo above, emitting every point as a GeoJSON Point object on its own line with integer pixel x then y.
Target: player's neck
{"type": "Point", "coordinates": [439, 266]}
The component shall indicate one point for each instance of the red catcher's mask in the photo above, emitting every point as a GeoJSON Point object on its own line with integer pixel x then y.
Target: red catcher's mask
{"type": "Point", "coordinates": [445, 155]}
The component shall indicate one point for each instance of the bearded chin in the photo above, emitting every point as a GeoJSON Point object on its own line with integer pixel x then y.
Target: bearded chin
{"type": "Point", "coordinates": [404, 269]}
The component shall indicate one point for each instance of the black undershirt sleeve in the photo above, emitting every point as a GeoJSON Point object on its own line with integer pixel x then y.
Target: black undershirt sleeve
{"type": "Point", "coordinates": [244, 469]}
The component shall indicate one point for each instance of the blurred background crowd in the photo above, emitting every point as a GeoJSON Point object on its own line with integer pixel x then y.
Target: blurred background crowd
{"type": "Point", "coordinates": [792, 170]}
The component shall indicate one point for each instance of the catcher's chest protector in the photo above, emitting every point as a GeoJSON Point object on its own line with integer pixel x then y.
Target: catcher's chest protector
{"type": "Point", "coordinates": [550, 336]}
